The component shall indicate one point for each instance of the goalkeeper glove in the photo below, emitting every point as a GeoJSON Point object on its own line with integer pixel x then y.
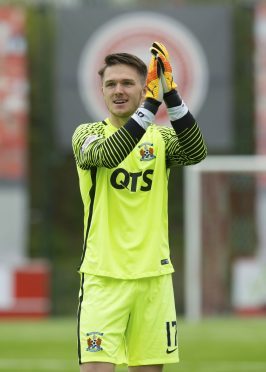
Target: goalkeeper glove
{"type": "Point", "coordinates": [176, 107]}
{"type": "Point", "coordinates": [154, 83]}
{"type": "Point", "coordinates": [153, 98]}
{"type": "Point", "coordinates": [161, 53]}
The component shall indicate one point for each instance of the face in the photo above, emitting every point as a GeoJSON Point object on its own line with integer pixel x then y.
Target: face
{"type": "Point", "coordinates": [123, 90]}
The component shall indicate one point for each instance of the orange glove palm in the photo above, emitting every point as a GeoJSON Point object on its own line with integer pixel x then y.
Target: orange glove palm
{"type": "Point", "coordinates": [153, 83]}
{"type": "Point", "coordinates": [160, 52]}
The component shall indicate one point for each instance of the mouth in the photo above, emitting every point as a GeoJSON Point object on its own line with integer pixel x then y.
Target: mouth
{"type": "Point", "coordinates": [120, 101]}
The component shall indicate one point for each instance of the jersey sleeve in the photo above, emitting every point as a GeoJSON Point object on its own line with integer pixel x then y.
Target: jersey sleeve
{"type": "Point", "coordinates": [92, 149]}
{"type": "Point", "coordinates": [184, 148]}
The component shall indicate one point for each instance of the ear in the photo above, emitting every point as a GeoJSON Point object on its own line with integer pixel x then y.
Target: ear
{"type": "Point", "coordinates": [144, 91]}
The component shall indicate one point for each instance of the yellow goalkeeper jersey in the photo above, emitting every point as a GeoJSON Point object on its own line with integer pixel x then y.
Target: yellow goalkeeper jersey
{"type": "Point", "coordinates": [123, 183]}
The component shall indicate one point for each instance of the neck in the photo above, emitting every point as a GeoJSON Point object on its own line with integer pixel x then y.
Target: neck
{"type": "Point", "coordinates": [118, 122]}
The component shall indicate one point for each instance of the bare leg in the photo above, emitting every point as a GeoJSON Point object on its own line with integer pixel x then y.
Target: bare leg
{"type": "Point", "coordinates": [155, 368]}
{"type": "Point", "coordinates": [97, 367]}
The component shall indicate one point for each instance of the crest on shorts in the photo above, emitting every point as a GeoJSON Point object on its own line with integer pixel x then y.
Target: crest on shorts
{"type": "Point", "coordinates": [146, 151]}
{"type": "Point", "coordinates": [94, 341]}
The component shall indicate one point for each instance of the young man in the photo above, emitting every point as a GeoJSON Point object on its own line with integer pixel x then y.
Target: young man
{"type": "Point", "coordinates": [126, 303]}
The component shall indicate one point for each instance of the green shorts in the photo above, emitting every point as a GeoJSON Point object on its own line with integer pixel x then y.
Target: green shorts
{"type": "Point", "coordinates": [127, 321]}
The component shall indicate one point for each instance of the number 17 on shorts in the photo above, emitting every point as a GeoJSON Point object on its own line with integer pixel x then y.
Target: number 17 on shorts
{"type": "Point", "coordinates": [171, 333]}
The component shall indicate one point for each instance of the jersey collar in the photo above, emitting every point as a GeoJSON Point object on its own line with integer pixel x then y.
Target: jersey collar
{"type": "Point", "coordinates": [110, 126]}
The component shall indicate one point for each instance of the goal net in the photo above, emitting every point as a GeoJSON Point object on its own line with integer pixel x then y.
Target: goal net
{"type": "Point", "coordinates": [225, 236]}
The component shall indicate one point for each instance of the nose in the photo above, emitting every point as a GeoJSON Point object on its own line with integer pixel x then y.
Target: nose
{"type": "Point", "coordinates": [118, 88]}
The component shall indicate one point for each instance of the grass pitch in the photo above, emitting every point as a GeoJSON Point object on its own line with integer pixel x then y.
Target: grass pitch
{"type": "Point", "coordinates": [213, 345]}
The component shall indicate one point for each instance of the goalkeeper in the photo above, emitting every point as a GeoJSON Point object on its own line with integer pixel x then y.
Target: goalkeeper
{"type": "Point", "coordinates": [126, 308]}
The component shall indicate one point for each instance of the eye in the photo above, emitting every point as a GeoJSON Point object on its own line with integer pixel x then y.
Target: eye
{"type": "Point", "coordinates": [128, 83]}
{"type": "Point", "coordinates": [110, 84]}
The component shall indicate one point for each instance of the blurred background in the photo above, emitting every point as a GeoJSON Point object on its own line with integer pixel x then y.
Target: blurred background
{"type": "Point", "coordinates": [50, 52]}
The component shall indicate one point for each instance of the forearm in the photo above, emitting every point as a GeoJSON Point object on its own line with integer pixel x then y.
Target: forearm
{"type": "Point", "coordinates": [111, 151]}
{"type": "Point", "coordinates": [187, 130]}
{"type": "Point", "coordinates": [192, 143]}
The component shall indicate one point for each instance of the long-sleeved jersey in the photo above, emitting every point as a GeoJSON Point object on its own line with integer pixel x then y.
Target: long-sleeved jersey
{"type": "Point", "coordinates": [123, 176]}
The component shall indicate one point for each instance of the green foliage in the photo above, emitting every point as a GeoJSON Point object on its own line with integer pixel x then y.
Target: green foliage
{"type": "Point", "coordinates": [55, 205]}
{"type": "Point", "coordinates": [41, 146]}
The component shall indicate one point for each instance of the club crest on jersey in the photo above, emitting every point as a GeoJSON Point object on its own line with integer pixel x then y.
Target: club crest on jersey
{"type": "Point", "coordinates": [94, 342]}
{"type": "Point", "coordinates": [146, 151]}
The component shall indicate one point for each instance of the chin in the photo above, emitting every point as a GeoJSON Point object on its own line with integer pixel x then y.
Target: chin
{"type": "Point", "coordinates": [122, 115]}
